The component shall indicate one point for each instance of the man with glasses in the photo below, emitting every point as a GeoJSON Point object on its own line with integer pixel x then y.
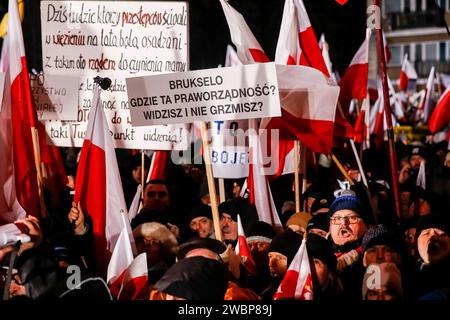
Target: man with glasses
{"type": "Point", "coordinates": [348, 224]}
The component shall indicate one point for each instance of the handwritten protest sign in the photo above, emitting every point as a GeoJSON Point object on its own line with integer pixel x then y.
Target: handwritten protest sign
{"type": "Point", "coordinates": [55, 97]}
{"type": "Point", "coordinates": [231, 93]}
{"type": "Point", "coordinates": [112, 39]}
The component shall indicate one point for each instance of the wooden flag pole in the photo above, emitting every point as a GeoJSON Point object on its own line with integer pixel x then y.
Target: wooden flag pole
{"type": "Point", "coordinates": [387, 109]}
{"type": "Point", "coordinates": [37, 162]}
{"type": "Point", "coordinates": [142, 173]}
{"type": "Point", "coordinates": [342, 169]}
{"type": "Point", "coordinates": [303, 163]}
{"type": "Point", "coordinates": [296, 176]}
{"type": "Point", "coordinates": [222, 196]}
{"type": "Point", "coordinates": [211, 185]}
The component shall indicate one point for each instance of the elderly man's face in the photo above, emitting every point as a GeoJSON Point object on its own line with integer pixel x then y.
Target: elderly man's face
{"type": "Point", "coordinates": [259, 250]}
{"type": "Point", "coordinates": [156, 197]}
{"type": "Point", "coordinates": [346, 226]}
{"type": "Point", "coordinates": [229, 227]}
{"type": "Point", "coordinates": [433, 245]}
{"type": "Point", "coordinates": [277, 264]}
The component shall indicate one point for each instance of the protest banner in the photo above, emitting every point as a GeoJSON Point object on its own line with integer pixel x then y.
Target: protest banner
{"type": "Point", "coordinates": [55, 97]}
{"type": "Point", "coordinates": [229, 154]}
{"type": "Point", "coordinates": [112, 39]}
{"type": "Point", "coordinates": [240, 92]}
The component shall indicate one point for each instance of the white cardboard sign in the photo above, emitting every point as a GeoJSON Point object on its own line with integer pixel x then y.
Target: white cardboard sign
{"type": "Point", "coordinates": [55, 97]}
{"type": "Point", "coordinates": [114, 39]}
{"type": "Point", "coordinates": [241, 92]}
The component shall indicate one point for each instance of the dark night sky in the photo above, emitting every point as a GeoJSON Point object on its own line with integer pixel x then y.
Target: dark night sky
{"type": "Point", "coordinates": [344, 28]}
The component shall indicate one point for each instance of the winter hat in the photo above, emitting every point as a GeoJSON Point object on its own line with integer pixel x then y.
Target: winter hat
{"type": "Point", "coordinates": [300, 219]}
{"type": "Point", "coordinates": [229, 207]}
{"type": "Point", "coordinates": [286, 243]}
{"type": "Point", "coordinates": [320, 248]}
{"type": "Point", "coordinates": [380, 235]}
{"type": "Point", "coordinates": [319, 204]}
{"type": "Point", "coordinates": [390, 277]}
{"type": "Point", "coordinates": [200, 243]}
{"type": "Point", "coordinates": [195, 278]}
{"type": "Point", "coordinates": [158, 232]}
{"type": "Point", "coordinates": [260, 231]}
{"type": "Point", "coordinates": [201, 210]}
{"type": "Point", "coordinates": [432, 221]}
{"type": "Point", "coordinates": [418, 150]}
{"type": "Point", "coordinates": [347, 201]}
{"type": "Point", "coordinates": [319, 221]}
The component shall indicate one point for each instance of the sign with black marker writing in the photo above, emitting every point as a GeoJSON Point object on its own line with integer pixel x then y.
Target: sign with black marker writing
{"type": "Point", "coordinates": [114, 39]}
{"type": "Point", "coordinates": [241, 92]}
{"type": "Point", "coordinates": [55, 97]}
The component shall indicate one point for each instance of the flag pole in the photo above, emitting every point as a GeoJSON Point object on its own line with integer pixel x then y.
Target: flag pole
{"type": "Point", "coordinates": [143, 172]}
{"type": "Point", "coordinates": [387, 107]}
{"type": "Point", "coordinates": [222, 190]}
{"type": "Point", "coordinates": [342, 169]}
{"type": "Point", "coordinates": [210, 178]}
{"type": "Point", "coordinates": [296, 177]}
{"type": "Point", "coordinates": [304, 168]}
{"type": "Point", "coordinates": [37, 162]}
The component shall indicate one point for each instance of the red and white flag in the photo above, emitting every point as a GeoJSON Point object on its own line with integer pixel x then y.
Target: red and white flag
{"type": "Point", "coordinates": [99, 189]}
{"type": "Point", "coordinates": [308, 107]}
{"type": "Point", "coordinates": [132, 284]}
{"type": "Point", "coordinates": [342, 2]}
{"type": "Point", "coordinates": [425, 108]}
{"type": "Point", "coordinates": [407, 75]}
{"type": "Point", "coordinates": [258, 186]}
{"type": "Point", "coordinates": [231, 57]}
{"type": "Point", "coordinates": [323, 45]}
{"type": "Point", "coordinates": [23, 116]}
{"type": "Point", "coordinates": [297, 43]}
{"type": "Point", "coordinates": [297, 282]}
{"type": "Point", "coordinates": [243, 251]}
{"type": "Point", "coordinates": [441, 114]}
{"type": "Point", "coordinates": [10, 209]}
{"type": "Point", "coordinates": [354, 81]}
{"type": "Point", "coordinates": [248, 48]}
{"type": "Point", "coordinates": [158, 166]}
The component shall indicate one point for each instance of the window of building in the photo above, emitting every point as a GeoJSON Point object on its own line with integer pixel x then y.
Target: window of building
{"type": "Point", "coordinates": [407, 50]}
{"type": "Point", "coordinates": [442, 51]}
{"type": "Point", "coordinates": [396, 55]}
{"type": "Point", "coordinates": [431, 52]}
{"type": "Point", "coordinates": [418, 52]}
{"type": "Point", "coordinates": [393, 6]}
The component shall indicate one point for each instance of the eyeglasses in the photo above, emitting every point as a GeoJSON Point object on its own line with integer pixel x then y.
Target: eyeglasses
{"type": "Point", "coordinates": [351, 219]}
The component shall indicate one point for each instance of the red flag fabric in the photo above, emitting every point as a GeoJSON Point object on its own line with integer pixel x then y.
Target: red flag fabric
{"type": "Point", "coordinates": [342, 2]}
{"type": "Point", "coordinates": [243, 251]}
{"type": "Point", "coordinates": [406, 74]}
{"type": "Point", "coordinates": [248, 48]}
{"type": "Point", "coordinates": [158, 167]}
{"type": "Point", "coordinates": [354, 82]}
{"type": "Point", "coordinates": [441, 114]}
{"type": "Point", "coordinates": [297, 282]}
{"type": "Point", "coordinates": [297, 43]}
{"type": "Point", "coordinates": [308, 107]}
{"type": "Point", "coordinates": [99, 189]}
{"type": "Point", "coordinates": [23, 116]}
{"type": "Point", "coordinates": [132, 284]}
{"type": "Point", "coordinates": [342, 128]}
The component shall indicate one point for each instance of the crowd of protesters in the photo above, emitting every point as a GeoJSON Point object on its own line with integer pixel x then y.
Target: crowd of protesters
{"type": "Point", "coordinates": [358, 247]}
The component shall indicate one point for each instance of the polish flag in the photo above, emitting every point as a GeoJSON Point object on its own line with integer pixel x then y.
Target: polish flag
{"type": "Point", "coordinates": [308, 107]}
{"type": "Point", "coordinates": [23, 117]}
{"type": "Point", "coordinates": [10, 209]}
{"type": "Point", "coordinates": [425, 108]}
{"type": "Point", "coordinates": [342, 2]}
{"type": "Point", "coordinates": [323, 45]}
{"type": "Point", "coordinates": [231, 57]}
{"type": "Point", "coordinates": [342, 128]}
{"type": "Point", "coordinates": [441, 114]}
{"type": "Point", "coordinates": [243, 251]}
{"type": "Point", "coordinates": [99, 189]}
{"type": "Point", "coordinates": [158, 166]}
{"type": "Point", "coordinates": [354, 82]}
{"type": "Point", "coordinates": [248, 48]}
{"type": "Point", "coordinates": [297, 282]}
{"type": "Point", "coordinates": [297, 43]}
{"type": "Point", "coordinates": [362, 125]}
{"type": "Point", "coordinates": [407, 74]}
{"type": "Point", "coordinates": [132, 284]}
{"type": "Point", "coordinates": [259, 189]}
